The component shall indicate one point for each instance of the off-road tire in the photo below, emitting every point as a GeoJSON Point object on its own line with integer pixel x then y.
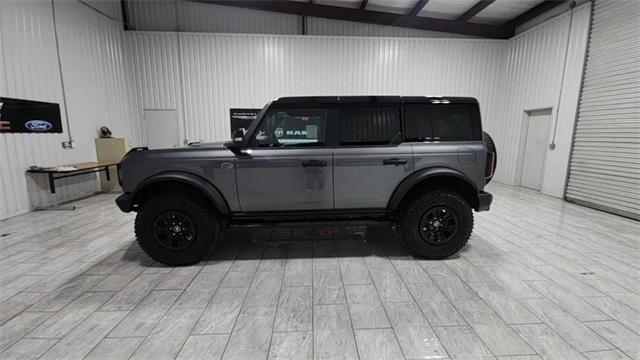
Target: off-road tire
{"type": "Point", "coordinates": [203, 216]}
{"type": "Point", "coordinates": [412, 213]}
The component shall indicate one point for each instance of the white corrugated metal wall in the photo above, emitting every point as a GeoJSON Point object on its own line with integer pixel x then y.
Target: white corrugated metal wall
{"type": "Point", "coordinates": [97, 80]}
{"type": "Point", "coordinates": [605, 163]}
{"type": "Point", "coordinates": [221, 71]}
{"type": "Point", "coordinates": [154, 57]}
{"type": "Point", "coordinates": [533, 77]}
{"type": "Point", "coordinates": [210, 73]}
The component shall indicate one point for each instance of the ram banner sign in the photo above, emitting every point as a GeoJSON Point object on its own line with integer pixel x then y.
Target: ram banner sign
{"type": "Point", "coordinates": [242, 118]}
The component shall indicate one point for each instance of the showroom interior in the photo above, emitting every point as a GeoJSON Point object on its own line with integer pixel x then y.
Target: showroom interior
{"type": "Point", "coordinates": [550, 271]}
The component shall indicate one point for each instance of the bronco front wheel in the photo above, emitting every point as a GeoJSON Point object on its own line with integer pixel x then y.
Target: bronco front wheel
{"type": "Point", "coordinates": [176, 229]}
{"type": "Point", "coordinates": [437, 224]}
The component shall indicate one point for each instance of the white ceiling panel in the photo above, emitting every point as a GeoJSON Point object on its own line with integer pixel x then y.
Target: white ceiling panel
{"type": "Point", "coordinates": [446, 9]}
{"type": "Point", "coordinates": [354, 4]}
{"type": "Point", "coordinates": [392, 6]}
{"type": "Point", "coordinates": [498, 13]}
{"type": "Point", "coordinates": [502, 11]}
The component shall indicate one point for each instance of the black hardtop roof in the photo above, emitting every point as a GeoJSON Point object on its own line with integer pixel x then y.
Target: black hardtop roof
{"type": "Point", "coordinates": [372, 99]}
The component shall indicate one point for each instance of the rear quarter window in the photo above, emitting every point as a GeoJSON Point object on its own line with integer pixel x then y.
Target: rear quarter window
{"type": "Point", "coordinates": [442, 122]}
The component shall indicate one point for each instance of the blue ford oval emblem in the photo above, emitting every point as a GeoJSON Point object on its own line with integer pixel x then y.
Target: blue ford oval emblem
{"type": "Point", "coordinates": [38, 125]}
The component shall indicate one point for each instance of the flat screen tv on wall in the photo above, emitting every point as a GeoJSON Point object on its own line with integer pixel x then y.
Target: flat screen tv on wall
{"type": "Point", "coordinates": [28, 116]}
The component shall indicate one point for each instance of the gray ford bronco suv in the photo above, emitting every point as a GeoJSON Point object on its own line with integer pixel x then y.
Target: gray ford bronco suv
{"type": "Point", "coordinates": [420, 163]}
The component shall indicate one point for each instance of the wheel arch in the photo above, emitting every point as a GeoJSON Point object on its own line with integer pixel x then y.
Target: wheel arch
{"type": "Point", "coordinates": [183, 180]}
{"type": "Point", "coordinates": [441, 178]}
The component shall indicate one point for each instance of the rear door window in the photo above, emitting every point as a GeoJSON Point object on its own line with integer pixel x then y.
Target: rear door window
{"type": "Point", "coordinates": [373, 125]}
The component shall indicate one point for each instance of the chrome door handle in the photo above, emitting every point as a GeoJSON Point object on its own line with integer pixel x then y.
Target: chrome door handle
{"type": "Point", "coordinates": [394, 161]}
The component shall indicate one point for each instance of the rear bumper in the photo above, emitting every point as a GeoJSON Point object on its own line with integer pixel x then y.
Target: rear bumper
{"type": "Point", "coordinates": [484, 201]}
{"type": "Point", "coordinates": [124, 202]}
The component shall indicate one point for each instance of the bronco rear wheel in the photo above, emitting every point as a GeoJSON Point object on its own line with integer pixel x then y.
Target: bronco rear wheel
{"type": "Point", "coordinates": [176, 229]}
{"type": "Point", "coordinates": [436, 224]}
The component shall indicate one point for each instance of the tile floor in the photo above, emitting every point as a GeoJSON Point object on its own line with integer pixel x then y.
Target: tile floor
{"type": "Point", "coordinates": [540, 279]}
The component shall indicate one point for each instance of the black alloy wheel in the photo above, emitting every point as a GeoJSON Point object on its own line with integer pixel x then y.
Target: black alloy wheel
{"type": "Point", "coordinates": [178, 228]}
{"type": "Point", "coordinates": [435, 224]}
{"type": "Point", "coordinates": [438, 225]}
{"type": "Point", "coordinates": [174, 230]}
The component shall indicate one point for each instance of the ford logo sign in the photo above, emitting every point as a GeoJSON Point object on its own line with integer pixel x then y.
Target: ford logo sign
{"type": "Point", "coordinates": [38, 125]}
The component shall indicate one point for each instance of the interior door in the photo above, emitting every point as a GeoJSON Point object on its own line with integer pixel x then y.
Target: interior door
{"type": "Point", "coordinates": [535, 149]}
{"type": "Point", "coordinates": [287, 165]}
{"type": "Point", "coordinates": [161, 128]}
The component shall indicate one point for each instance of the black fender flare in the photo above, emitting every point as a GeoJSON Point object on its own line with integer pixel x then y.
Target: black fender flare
{"type": "Point", "coordinates": [208, 189]}
{"type": "Point", "coordinates": [418, 177]}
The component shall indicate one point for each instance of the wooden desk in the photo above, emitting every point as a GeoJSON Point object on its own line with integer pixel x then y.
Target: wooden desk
{"type": "Point", "coordinates": [80, 169]}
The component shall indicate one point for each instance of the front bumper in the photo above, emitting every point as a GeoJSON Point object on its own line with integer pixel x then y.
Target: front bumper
{"type": "Point", "coordinates": [484, 201]}
{"type": "Point", "coordinates": [124, 202]}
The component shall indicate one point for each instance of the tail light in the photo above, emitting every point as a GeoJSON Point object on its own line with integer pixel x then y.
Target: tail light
{"type": "Point", "coordinates": [490, 165]}
{"type": "Point", "coordinates": [118, 174]}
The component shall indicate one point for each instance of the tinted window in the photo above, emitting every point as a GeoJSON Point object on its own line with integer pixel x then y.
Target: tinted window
{"type": "Point", "coordinates": [292, 127]}
{"type": "Point", "coordinates": [369, 125]}
{"type": "Point", "coordinates": [417, 124]}
{"type": "Point", "coordinates": [454, 122]}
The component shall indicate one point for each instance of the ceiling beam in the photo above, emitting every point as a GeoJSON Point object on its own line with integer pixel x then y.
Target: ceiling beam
{"type": "Point", "coordinates": [475, 9]}
{"type": "Point", "coordinates": [125, 14]}
{"type": "Point", "coordinates": [363, 4]}
{"type": "Point", "coordinates": [532, 13]}
{"type": "Point", "coordinates": [372, 17]}
{"type": "Point", "coordinates": [418, 7]}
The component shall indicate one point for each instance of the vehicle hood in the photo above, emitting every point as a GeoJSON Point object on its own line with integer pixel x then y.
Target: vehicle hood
{"type": "Point", "coordinates": [190, 152]}
{"type": "Point", "coordinates": [204, 161]}
{"type": "Point", "coordinates": [208, 145]}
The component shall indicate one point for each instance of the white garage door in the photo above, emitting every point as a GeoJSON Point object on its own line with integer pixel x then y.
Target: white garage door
{"type": "Point", "coordinates": [605, 162]}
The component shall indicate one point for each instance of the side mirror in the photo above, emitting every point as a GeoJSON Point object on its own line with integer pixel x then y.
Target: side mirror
{"type": "Point", "coordinates": [235, 145]}
{"type": "Point", "coordinates": [238, 135]}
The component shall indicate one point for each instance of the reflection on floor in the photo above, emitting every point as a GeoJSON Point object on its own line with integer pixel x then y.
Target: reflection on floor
{"type": "Point", "coordinates": [540, 277]}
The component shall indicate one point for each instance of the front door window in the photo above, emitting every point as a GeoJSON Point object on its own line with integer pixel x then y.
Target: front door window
{"type": "Point", "coordinates": [291, 128]}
